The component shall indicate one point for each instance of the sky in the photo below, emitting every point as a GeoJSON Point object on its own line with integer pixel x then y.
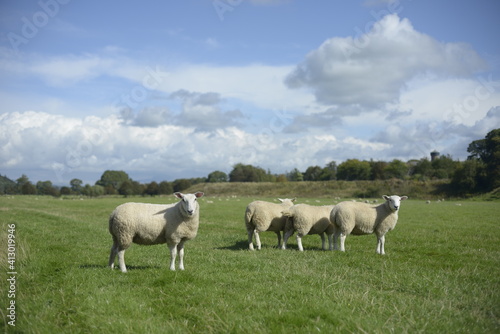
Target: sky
{"type": "Point", "coordinates": [178, 89]}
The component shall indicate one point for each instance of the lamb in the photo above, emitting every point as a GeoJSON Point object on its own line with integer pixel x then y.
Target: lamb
{"type": "Point", "coordinates": [360, 218]}
{"type": "Point", "coordinates": [308, 219]}
{"type": "Point", "coordinates": [263, 216]}
{"type": "Point", "coordinates": [152, 224]}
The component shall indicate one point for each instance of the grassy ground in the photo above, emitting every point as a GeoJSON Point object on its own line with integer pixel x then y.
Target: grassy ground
{"type": "Point", "coordinates": [441, 274]}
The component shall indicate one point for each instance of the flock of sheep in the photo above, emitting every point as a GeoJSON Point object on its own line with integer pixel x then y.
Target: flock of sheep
{"type": "Point", "coordinates": [174, 224]}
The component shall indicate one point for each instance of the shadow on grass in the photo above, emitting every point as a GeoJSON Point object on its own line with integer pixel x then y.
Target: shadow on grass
{"type": "Point", "coordinates": [239, 245]}
{"type": "Point", "coordinates": [101, 266]}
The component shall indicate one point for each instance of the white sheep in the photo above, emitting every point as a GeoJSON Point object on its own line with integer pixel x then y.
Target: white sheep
{"type": "Point", "coordinates": [152, 224]}
{"type": "Point", "coordinates": [308, 219]}
{"type": "Point", "coordinates": [263, 216]}
{"type": "Point", "coordinates": [360, 218]}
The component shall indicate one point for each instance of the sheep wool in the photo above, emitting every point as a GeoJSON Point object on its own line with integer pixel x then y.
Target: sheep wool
{"type": "Point", "coordinates": [152, 224]}
{"type": "Point", "coordinates": [308, 219]}
{"type": "Point", "coordinates": [360, 218]}
{"type": "Point", "coordinates": [263, 216]}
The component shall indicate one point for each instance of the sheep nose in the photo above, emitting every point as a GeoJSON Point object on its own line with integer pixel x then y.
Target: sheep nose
{"type": "Point", "coordinates": [190, 212]}
{"type": "Point", "coordinates": [396, 207]}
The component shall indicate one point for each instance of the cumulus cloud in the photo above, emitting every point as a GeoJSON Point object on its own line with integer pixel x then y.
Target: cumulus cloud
{"type": "Point", "coordinates": [372, 69]}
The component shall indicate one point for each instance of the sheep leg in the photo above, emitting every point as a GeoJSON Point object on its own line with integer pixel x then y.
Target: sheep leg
{"type": "Point", "coordinates": [330, 241]}
{"type": "Point", "coordinates": [121, 260]}
{"type": "Point", "coordinates": [112, 255]}
{"type": "Point", "coordinates": [287, 235]}
{"type": "Point", "coordinates": [180, 249]}
{"type": "Point", "coordinates": [279, 238]}
{"type": "Point", "coordinates": [336, 239]}
{"type": "Point", "coordinates": [322, 235]}
{"type": "Point", "coordinates": [299, 242]}
{"type": "Point", "coordinates": [342, 241]}
{"type": "Point", "coordinates": [380, 244]}
{"type": "Point", "coordinates": [257, 239]}
{"type": "Point", "coordinates": [173, 255]}
{"type": "Point", "coordinates": [250, 239]}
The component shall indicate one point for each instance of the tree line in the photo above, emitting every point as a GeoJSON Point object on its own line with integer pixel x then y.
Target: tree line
{"type": "Point", "coordinates": [479, 173]}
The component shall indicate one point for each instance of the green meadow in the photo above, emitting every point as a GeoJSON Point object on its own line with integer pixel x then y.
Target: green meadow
{"type": "Point", "coordinates": [441, 274]}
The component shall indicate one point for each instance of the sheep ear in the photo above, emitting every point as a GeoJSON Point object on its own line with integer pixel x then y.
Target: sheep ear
{"type": "Point", "coordinates": [404, 197]}
{"type": "Point", "coordinates": [293, 199]}
{"type": "Point", "coordinates": [386, 197]}
{"type": "Point", "coordinates": [279, 199]}
{"type": "Point", "coordinates": [179, 195]}
{"type": "Point", "coordinates": [199, 194]}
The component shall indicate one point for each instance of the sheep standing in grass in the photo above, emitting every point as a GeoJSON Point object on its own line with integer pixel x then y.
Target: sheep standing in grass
{"type": "Point", "coordinates": [152, 224]}
{"type": "Point", "coordinates": [263, 216]}
{"type": "Point", "coordinates": [308, 219]}
{"type": "Point", "coordinates": [359, 218]}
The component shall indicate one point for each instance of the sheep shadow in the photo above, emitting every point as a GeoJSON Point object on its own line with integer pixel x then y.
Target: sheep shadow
{"type": "Point", "coordinates": [238, 245]}
{"type": "Point", "coordinates": [129, 267]}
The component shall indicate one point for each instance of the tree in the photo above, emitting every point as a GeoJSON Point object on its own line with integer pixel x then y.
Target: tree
{"type": "Point", "coordinates": [126, 189]}
{"type": "Point", "coordinates": [378, 170]}
{"type": "Point", "coordinates": [295, 175]}
{"type": "Point", "coordinates": [76, 185]}
{"type": "Point", "coordinates": [396, 169]}
{"type": "Point", "coordinates": [247, 173]}
{"type": "Point", "coordinates": [46, 188]}
{"type": "Point", "coordinates": [488, 151]}
{"type": "Point", "coordinates": [28, 189]}
{"type": "Point", "coordinates": [329, 172]}
{"type": "Point", "coordinates": [113, 178]}
{"type": "Point", "coordinates": [470, 177]}
{"type": "Point", "coordinates": [217, 176]}
{"type": "Point", "coordinates": [181, 184]}
{"type": "Point", "coordinates": [313, 173]}
{"type": "Point", "coordinates": [423, 169]}
{"type": "Point", "coordinates": [152, 189]}
{"type": "Point", "coordinates": [353, 169]}
{"type": "Point", "coordinates": [444, 167]}
{"type": "Point", "coordinates": [165, 188]}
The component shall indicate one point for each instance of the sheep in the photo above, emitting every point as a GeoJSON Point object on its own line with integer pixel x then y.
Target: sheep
{"type": "Point", "coordinates": [152, 224]}
{"type": "Point", "coordinates": [359, 219]}
{"type": "Point", "coordinates": [308, 219]}
{"type": "Point", "coordinates": [263, 216]}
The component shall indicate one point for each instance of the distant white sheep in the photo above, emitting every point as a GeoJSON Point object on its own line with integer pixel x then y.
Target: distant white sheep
{"type": "Point", "coordinates": [308, 219]}
{"type": "Point", "coordinates": [263, 216]}
{"type": "Point", "coordinates": [152, 224]}
{"type": "Point", "coordinates": [360, 218]}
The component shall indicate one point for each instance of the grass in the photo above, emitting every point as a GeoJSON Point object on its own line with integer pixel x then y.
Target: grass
{"type": "Point", "coordinates": [441, 274]}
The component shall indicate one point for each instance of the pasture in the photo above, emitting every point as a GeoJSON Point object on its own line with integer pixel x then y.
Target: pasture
{"type": "Point", "coordinates": [441, 274]}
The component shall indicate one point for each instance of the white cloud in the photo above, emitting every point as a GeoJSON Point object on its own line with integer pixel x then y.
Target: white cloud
{"type": "Point", "coordinates": [372, 69]}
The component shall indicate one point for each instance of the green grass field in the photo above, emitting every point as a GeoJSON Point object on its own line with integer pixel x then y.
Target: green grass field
{"type": "Point", "coordinates": [441, 274]}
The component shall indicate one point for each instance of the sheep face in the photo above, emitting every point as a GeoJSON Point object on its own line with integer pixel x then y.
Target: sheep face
{"type": "Point", "coordinates": [189, 204]}
{"type": "Point", "coordinates": [394, 201]}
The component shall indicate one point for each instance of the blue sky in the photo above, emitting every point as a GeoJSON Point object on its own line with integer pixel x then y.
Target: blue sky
{"type": "Point", "coordinates": [171, 89]}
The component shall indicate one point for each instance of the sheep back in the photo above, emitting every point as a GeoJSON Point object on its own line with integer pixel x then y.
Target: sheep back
{"type": "Point", "coordinates": [309, 219]}
{"type": "Point", "coordinates": [360, 218]}
{"type": "Point", "coordinates": [266, 216]}
{"type": "Point", "coordinates": [151, 224]}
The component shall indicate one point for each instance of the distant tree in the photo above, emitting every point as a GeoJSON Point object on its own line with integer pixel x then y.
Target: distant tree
{"type": "Point", "coordinates": [422, 169]}
{"type": "Point", "coordinates": [313, 173]}
{"type": "Point", "coordinates": [329, 172]}
{"type": "Point", "coordinates": [113, 178]}
{"type": "Point", "coordinates": [126, 189]}
{"type": "Point", "coordinates": [165, 188]}
{"type": "Point", "coordinates": [295, 175]}
{"type": "Point", "coordinates": [181, 184]}
{"type": "Point", "coordinates": [46, 188]}
{"type": "Point", "coordinates": [396, 169]}
{"type": "Point", "coordinates": [443, 167]}
{"type": "Point", "coordinates": [152, 189]}
{"type": "Point", "coordinates": [470, 177]}
{"type": "Point", "coordinates": [353, 169]}
{"type": "Point", "coordinates": [28, 188]}
{"type": "Point", "coordinates": [20, 182]}
{"type": "Point", "coordinates": [93, 191]}
{"type": "Point", "coordinates": [65, 191]}
{"type": "Point", "coordinates": [76, 185]}
{"type": "Point", "coordinates": [248, 173]}
{"type": "Point", "coordinates": [281, 178]}
{"type": "Point", "coordinates": [217, 176]}
{"type": "Point", "coordinates": [378, 170]}
{"type": "Point", "coordinates": [488, 151]}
